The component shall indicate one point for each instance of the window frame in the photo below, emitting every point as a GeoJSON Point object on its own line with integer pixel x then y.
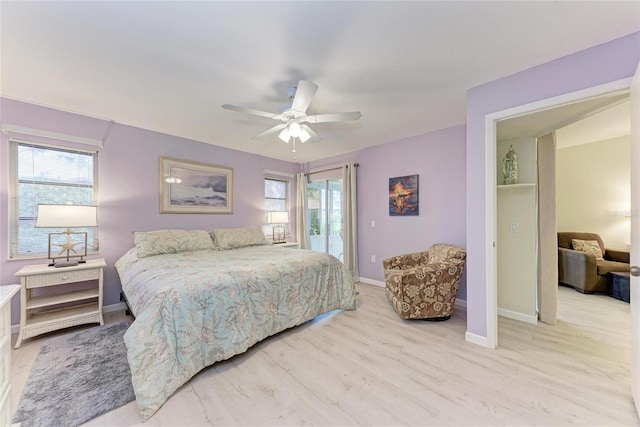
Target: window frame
{"type": "Point", "coordinates": [287, 179]}
{"type": "Point", "coordinates": [14, 202]}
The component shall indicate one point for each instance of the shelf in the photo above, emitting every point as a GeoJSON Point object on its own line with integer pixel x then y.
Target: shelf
{"type": "Point", "coordinates": [515, 186]}
{"type": "Point", "coordinates": [62, 314]}
{"type": "Point", "coordinates": [49, 300]}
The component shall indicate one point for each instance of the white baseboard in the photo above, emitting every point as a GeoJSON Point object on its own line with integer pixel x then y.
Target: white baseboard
{"type": "Point", "coordinates": [372, 282]}
{"type": "Point", "coordinates": [478, 340]}
{"type": "Point", "coordinates": [527, 318]}
{"type": "Point", "coordinates": [114, 307]}
{"type": "Point", "coordinates": [106, 309]}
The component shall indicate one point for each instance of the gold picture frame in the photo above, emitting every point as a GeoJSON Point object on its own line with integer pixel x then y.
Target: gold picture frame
{"type": "Point", "coordinates": [195, 187]}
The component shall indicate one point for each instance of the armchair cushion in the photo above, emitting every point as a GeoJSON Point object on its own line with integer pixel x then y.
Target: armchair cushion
{"type": "Point", "coordinates": [588, 246]}
{"type": "Point", "coordinates": [605, 267]}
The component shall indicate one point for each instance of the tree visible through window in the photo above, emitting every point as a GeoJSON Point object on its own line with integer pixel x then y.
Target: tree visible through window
{"type": "Point", "coordinates": [42, 174]}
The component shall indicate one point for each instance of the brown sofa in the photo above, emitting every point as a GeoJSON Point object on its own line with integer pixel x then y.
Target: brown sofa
{"type": "Point", "coordinates": [424, 285]}
{"type": "Point", "coordinates": [582, 270]}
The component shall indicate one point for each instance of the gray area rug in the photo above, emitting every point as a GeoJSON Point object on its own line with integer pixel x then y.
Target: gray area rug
{"type": "Point", "coordinates": [77, 377]}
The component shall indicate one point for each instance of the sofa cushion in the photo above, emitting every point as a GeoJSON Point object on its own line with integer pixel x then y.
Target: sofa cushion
{"type": "Point", "coordinates": [565, 237]}
{"type": "Point", "coordinates": [588, 246]}
{"type": "Point", "coordinates": [605, 267]}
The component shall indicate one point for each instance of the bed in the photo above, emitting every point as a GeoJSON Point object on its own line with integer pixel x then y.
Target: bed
{"type": "Point", "coordinates": [199, 301]}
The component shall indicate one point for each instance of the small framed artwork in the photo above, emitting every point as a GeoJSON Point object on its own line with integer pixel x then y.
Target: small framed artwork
{"type": "Point", "coordinates": [403, 196]}
{"type": "Point", "coordinates": [194, 187]}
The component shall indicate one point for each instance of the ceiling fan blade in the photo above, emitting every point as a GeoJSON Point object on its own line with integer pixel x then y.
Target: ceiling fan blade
{"type": "Point", "coordinates": [314, 136]}
{"type": "Point", "coordinates": [252, 111]}
{"type": "Point", "coordinates": [304, 94]}
{"type": "Point", "coordinates": [270, 131]}
{"type": "Point", "coordinates": [334, 117]}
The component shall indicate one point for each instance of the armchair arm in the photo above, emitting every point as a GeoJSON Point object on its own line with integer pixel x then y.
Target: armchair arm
{"type": "Point", "coordinates": [577, 269]}
{"type": "Point", "coordinates": [619, 256]}
{"type": "Point", "coordinates": [406, 260]}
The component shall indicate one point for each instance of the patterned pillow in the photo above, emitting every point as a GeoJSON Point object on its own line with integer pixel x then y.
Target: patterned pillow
{"type": "Point", "coordinates": [588, 246]}
{"type": "Point", "coordinates": [159, 242]}
{"type": "Point", "coordinates": [232, 238]}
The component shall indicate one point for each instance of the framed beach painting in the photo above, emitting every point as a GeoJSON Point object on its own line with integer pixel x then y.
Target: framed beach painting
{"type": "Point", "coordinates": [403, 196]}
{"type": "Point", "coordinates": [194, 187]}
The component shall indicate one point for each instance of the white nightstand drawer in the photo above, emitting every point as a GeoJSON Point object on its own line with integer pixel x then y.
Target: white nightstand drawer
{"type": "Point", "coordinates": [62, 277]}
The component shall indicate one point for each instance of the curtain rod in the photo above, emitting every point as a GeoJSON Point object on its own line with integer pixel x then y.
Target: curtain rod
{"type": "Point", "coordinates": [330, 169]}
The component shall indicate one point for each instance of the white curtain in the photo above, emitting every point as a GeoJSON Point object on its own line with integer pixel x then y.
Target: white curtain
{"type": "Point", "coordinates": [350, 218]}
{"type": "Point", "coordinates": [302, 228]}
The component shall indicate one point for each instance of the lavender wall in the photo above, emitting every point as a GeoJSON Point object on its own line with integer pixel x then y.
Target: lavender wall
{"type": "Point", "coordinates": [439, 160]}
{"type": "Point", "coordinates": [128, 184]}
{"type": "Point", "coordinates": [595, 66]}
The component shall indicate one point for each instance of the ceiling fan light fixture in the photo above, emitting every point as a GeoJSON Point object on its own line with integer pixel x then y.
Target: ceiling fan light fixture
{"type": "Point", "coordinates": [294, 129]}
{"type": "Point", "coordinates": [304, 135]}
{"type": "Point", "coordinates": [285, 135]}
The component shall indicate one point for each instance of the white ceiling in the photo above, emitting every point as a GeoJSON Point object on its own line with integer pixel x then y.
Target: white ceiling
{"type": "Point", "coordinates": [168, 66]}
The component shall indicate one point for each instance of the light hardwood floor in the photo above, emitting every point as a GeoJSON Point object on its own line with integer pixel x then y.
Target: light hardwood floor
{"type": "Point", "coordinates": [368, 367]}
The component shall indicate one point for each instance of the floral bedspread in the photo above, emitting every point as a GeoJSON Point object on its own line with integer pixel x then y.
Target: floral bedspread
{"type": "Point", "coordinates": [196, 308]}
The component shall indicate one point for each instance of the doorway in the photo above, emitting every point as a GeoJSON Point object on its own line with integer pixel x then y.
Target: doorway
{"type": "Point", "coordinates": [324, 216]}
{"type": "Point", "coordinates": [490, 146]}
{"type": "Point", "coordinates": [527, 213]}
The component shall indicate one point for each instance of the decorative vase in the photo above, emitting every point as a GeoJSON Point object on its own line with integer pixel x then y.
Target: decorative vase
{"type": "Point", "coordinates": [510, 167]}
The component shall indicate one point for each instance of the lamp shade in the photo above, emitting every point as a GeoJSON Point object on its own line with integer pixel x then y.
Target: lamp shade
{"type": "Point", "coordinates": [278, 217]}
{"type": "Point", "coordinates": [58, 216]}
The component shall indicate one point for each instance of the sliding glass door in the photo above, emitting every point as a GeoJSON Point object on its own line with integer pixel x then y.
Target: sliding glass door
{"type": "Point", "coordinates": [324, 210]}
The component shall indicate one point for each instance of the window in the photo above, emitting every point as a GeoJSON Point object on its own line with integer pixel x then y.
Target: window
{"type": "Point", "coordinates": [276, 198]}
{"type": "Point", "coordinates": [324, 215]}
{"type": "Point", "coordinates": [45, 174]}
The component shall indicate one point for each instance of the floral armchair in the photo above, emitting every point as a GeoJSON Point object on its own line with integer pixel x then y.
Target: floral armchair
{"type": "Point", "coordinates": [424, 285]}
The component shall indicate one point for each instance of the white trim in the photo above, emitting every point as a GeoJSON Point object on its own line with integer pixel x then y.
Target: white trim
{"type": "Point", "coordinates": [527, 318]}
{"type": "Point", "coordinates": [491, 220]}
{"type": "Point", "coordinates": [114, 307]}
{"type": "Point", "coordinates": [278, 174]}
{"type": "Point", "coordinates": [56, 146]}
{"type": "Point", "coordinates": [371, 282]}
{"type": "Point", "coordinates": [51, 135]}
{"type": "Point", "coordinates": [491, 120]}
{"type": "Point", "coordinates": [478, 340]}
{"type": "Point", "coordinates": [461, 302]}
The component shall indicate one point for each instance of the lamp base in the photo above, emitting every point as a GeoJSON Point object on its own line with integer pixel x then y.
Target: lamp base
{"type": "Point", "coordinates": [64, 264]}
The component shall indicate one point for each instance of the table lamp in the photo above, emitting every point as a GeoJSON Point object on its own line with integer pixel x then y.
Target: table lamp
{"type": "Point", "coordinates": [67, 216]}
{"type": "Point", "coordinates": [278, 218]}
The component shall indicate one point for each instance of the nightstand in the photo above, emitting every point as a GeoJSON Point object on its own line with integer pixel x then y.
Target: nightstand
{"type": "Point", "coordinates": [42, 313]}
{"type": "Point", "coordinates": [6, 292]}
{"type": "Point", "coordinates": [289, 245]}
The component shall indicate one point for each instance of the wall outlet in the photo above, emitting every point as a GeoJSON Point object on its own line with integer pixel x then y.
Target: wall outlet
{"type": "Point", "coordinates": [373, 223]}
{"type": "Point", "coordinates": [514, 227]}
{"type": "Point", "coordinates": [373, 258]}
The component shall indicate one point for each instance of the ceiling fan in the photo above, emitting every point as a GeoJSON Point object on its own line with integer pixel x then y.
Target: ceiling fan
{"type": "Point", "coordinates": [294, 115]}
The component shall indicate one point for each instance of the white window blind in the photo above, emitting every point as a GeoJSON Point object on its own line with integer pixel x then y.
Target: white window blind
{"type": "Point", "coordinates": [46, 174]}
{"type": "Point", "coordinates": [276, 199]}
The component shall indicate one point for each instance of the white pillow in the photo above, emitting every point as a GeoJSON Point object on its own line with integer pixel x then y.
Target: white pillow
{"type": "Point", "coordinates": [159, 242]}
{"type": "Point", "coordinates": [232, 238]}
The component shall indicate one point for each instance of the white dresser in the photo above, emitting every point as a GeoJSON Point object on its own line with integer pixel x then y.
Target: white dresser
{"type": "Point", "coordinates": [6, 292]}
